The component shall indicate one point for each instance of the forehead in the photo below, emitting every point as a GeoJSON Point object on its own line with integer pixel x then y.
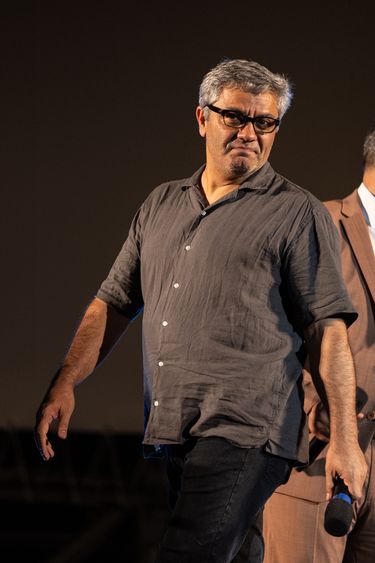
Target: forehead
{"type": "Point", "coordinates": [233, 98]}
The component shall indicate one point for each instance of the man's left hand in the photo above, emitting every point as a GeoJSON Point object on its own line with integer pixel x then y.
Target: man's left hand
{"type": "Point", "coordinates": [347, 462]}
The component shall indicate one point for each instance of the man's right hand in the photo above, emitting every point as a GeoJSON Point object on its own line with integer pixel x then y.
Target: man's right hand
{"type": "Point", "coordinates": [97, 333]}
{"type": "Point", "coordinates": [58, 405]}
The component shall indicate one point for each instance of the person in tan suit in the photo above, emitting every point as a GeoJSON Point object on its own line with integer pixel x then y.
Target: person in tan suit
{"type": "Point", "coordinates": [293, 517]}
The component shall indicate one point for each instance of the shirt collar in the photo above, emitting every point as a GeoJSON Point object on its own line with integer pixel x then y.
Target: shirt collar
{"type": "Point", "coordinates": [368, 203]}
{"type": "Point", "coordinates": [259, 180]}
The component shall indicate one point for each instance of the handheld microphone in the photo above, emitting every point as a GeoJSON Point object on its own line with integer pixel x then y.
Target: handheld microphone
{"type": "Point", "coordinates": [339, 511]}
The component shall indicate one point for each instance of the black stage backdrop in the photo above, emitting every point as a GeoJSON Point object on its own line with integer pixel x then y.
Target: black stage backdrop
{"type": "Point", "coordinates": [97, 108]}
{"type": "Point", "coordinates": [98, 103]}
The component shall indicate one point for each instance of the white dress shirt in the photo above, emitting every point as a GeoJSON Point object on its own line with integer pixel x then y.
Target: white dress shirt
{"type": "Point", "coordinates": [368, 205]}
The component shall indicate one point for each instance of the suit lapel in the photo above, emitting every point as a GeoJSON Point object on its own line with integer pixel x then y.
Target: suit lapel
{"type": "Point", "coordinates": [358, 236]}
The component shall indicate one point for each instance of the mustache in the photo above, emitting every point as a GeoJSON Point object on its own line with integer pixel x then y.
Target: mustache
{"type": "Point", "coordinates": [239, 144]}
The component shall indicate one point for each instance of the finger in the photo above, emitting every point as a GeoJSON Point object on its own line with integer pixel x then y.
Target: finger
{"type": "Point", "coordinates": [41, 437]}
{"type": "Point", "coordinates": [45, 447]}
{"type": "Point", "coordinates": [361, 416]}
{"type": "Point", "coordinates": [354, 490]}
{"type": "Point", "coordinates": [329, 485]}
{"type": "Point", "coordinates": [62, 429]}
{"type": "Point", "coordinates": [353, 486]}
{"type": "Point", "coordinates": [49, 451]}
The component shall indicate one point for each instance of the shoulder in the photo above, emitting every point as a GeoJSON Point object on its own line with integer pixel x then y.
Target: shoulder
{"type": "Point", "coordinates": [172, 188]}
{"type": "Point", "coordinates": [165, 194]}
{"type": "Point", "coordinates": [334, 207]}
{"type": "Point", "coordinates": [166, 189]}
{"type": "Point", "coordinates": [347, 206]}
{"type": "Point", "coordinates": [304, 202]}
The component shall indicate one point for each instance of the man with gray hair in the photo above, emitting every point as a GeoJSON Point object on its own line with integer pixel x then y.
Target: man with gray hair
{"type": "Point", "coordinates": [236, 272]}
{"type": "Point", "coordinates": [294, 516]}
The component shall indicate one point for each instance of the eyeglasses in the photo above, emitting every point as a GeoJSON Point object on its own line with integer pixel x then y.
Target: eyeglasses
{"type": "Point", "coordinates": [238, 120]}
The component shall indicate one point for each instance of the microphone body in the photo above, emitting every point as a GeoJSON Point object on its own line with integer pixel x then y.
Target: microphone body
{"type": "Point", "coordinates": [339, 511]}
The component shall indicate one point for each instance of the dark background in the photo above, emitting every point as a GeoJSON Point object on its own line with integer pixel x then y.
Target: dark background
{"type": "Point", "coordinates": [97, 108]}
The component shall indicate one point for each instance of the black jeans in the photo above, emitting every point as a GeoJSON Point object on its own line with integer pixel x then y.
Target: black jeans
{"type": "Point", "coordinates": [217, 493]}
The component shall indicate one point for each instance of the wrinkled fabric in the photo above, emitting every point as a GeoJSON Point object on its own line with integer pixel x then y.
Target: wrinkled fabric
{"type": "Point", "coordinates": [226, 292]}
{"type": "Point", "coordinates": [220, 527]}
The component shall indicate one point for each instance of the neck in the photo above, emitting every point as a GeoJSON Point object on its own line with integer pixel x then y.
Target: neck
{"type": "Point", "coordinates": [369, 179]}
{"type": "Point", "coordinates": [214, 190]}
{"type": "Point", "coordinates": [215, 187]}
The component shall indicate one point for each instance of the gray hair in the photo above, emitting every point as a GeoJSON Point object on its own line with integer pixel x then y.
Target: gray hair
{"type": "Point", "coordinates": [369, 149]}
{"type": "Point", "coordinates": [248, 76]}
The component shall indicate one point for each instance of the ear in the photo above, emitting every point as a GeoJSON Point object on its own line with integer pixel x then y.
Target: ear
{"type": "Point", "coordinates": [199, 113]}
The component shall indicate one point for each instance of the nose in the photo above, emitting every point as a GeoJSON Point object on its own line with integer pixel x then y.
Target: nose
{"type": "Point", "coordinates": [247, 132]}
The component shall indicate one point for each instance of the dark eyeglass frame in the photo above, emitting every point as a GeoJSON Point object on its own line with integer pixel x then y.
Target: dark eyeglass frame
{"type": "Point", "coordinates": [244, 119]}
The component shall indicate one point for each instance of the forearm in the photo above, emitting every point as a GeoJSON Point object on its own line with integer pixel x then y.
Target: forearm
{"type": "Point", "coordinates": [332, 370]}
{"type": "Point", "coordinates": [83, 353]}
{"type": "Point", "coordinates": [334, 376]}
{"type": "Point", "coordinates": [337, 373]}
{"type": "Point", "coordinates": [96, 335]}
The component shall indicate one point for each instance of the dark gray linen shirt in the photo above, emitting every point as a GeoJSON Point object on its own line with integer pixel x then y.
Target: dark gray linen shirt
{"type": "Point", "coordinates": [226, 292]}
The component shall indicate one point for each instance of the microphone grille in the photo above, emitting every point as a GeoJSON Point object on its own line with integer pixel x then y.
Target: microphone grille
{"type": "Point", "coordinates": [338, 517]}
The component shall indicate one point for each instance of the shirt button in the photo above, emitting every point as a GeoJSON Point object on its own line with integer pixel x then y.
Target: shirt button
{"type": "Point", "coordinates": [160, 364]}
{"type": "Point", "coordinates": [164, 323]}
{"type": "Point", "coordinates": [176, 285]}
{"type": "Point", "coordinates": [187, 247]}
{"type": "Point", "coordinates": [156, 403]}
{"type": "Point", "coordinates": [203, 213]}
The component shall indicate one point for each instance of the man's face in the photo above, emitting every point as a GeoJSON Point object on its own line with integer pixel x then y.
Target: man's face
{"type": "Point", "coordinates": [234, 154]}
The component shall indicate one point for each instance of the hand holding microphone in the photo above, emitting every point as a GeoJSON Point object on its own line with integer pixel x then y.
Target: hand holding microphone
{"type": "Point", "coordinates": [317, 445]}
{"type": "Point", "coordinates": [339, 512]}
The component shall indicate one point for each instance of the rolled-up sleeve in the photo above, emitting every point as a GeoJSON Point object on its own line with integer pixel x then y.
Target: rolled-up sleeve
{"type": "Point", "coordinates": [122, 287]}
{"type": "Point", "coordinates": [313, 275]}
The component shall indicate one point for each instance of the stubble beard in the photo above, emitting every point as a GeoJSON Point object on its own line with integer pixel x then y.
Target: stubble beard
{"type": "Point", "coordinates": [239, 167]}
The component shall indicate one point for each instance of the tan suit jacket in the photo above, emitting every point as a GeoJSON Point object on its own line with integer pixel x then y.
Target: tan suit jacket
{"type": "Point", "coordinates": [358, 266]}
